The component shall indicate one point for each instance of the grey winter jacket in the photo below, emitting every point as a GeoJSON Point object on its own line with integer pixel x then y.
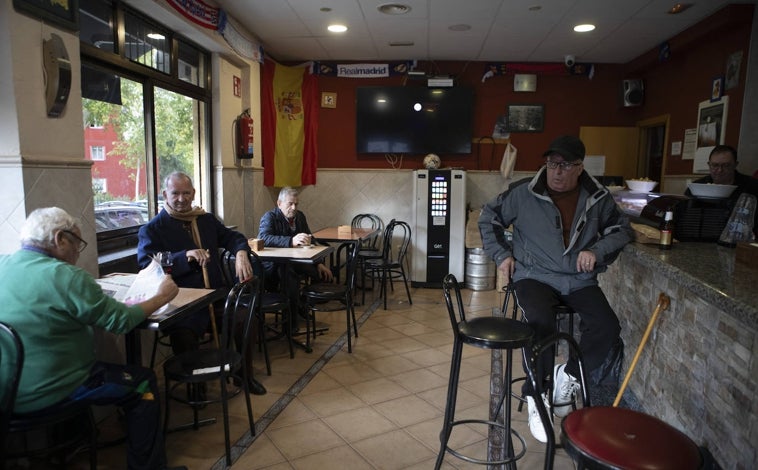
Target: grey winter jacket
{"type": "Point", "coordinates": [599, 226]}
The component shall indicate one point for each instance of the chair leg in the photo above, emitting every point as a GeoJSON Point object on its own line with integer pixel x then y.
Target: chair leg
{"type": "Point", "coordinates": [288, 331]}
{"type": "Point", "coordinates": [225, 412]}
{"type": "Point", "coordinates": [452, 395]}
{"type": "Point", "coordinates": [407, 291]}
{"type": "Point", "coordinates": [262, 342]}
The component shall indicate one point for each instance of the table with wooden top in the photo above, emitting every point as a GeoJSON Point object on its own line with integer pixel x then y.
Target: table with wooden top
{"type": "Point", "coordinates": [187, 301]}
{"type": "Point", "coordinates": [357, 235]}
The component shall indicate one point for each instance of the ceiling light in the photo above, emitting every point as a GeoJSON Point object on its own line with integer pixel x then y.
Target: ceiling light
{"type": "Point", "coordinates": [459, 27]}
{"type": "Point", "coordinates": [157, 36]}
{"type": "Point", "coordinates": [584, 28]}
{"type": "Point", "coordinates": [401, 43]}
{"type": "Point", "coordinates": [393, 8]}
{"type": "Point", "coordinates": [337, 28]}
{"type": "Point", "coordinates": [678, 8]}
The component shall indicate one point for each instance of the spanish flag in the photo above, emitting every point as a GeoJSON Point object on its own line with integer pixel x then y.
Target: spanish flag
{"type": "Point", "coordinates": [289, 123]}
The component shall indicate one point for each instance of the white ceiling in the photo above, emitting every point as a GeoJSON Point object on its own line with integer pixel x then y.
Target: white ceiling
{"type": "Point", "coordinates": [501, 30]}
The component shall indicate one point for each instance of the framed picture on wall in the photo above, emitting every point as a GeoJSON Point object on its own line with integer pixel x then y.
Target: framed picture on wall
{"type": "Point", "coordinates": [61, 13]}
{"type": "Point", "coordinates": [717, 89]}
{"type": "Point", "coordinates": [711, 130]}
{"type": "Point", "coordinates": [526, 117]}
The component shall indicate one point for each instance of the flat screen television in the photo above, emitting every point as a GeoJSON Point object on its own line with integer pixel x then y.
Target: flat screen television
{"type": "Point", "coordinates": [414, 120]}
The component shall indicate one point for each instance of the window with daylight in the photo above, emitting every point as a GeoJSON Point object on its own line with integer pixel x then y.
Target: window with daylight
{"type": "Point", "coordinates": [144, 118]}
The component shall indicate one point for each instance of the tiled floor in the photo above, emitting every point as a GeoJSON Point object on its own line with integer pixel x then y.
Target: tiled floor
{"type": "Point", "coordinates": [380, 407]}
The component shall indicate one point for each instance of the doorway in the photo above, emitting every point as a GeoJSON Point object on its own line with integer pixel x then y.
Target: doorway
{"type": "Point", "coordinates": [653, 144]}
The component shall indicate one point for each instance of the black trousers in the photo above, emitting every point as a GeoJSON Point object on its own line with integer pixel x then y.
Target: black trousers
{"type": "Point", "coordinates": [598, 323]}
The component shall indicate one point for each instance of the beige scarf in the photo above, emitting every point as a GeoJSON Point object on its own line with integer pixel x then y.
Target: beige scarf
{"type": "Point", "coordinates": [191, 217]}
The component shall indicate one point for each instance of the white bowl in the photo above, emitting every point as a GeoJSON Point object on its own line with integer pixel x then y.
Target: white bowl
{"type": "Point", "coordinates": [711, 190]}
{"type": "Point", "coordinates": [641, 186]}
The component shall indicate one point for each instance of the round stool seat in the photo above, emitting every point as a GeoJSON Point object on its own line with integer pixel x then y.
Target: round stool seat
{"type": "Point", "coordinates": [495, 333]}
{"type": "Point", "coordinates": [620, 438]}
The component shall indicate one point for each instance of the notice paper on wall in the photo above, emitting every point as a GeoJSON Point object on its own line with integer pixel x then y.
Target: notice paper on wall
{"type": "Point", "coordinates": [595, 164]}
{"type": "Point", "coordinates": [690, 144]}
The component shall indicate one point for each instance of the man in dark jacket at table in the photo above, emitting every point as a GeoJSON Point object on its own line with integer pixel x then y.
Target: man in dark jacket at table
{"type": "Point", "coordinates": [286, 227]}
{"type": "Point", "coordinates": [566, 230]}
{"type": "Point", "coordinates": [55, 306]}
{"type": "Point", "coordinates": [193, 237]}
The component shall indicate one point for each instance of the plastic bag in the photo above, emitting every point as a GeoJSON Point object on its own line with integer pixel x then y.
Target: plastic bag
{"type": "Point", "coordinates": [509, 161]}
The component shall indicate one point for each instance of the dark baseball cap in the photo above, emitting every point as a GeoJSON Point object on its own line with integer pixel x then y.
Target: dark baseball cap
{"type": "Point", "coordinates": [567, 146]}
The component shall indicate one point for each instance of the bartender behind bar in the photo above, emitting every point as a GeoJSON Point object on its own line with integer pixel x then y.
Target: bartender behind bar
{"type": "Point", "coordinates": [722, 166]}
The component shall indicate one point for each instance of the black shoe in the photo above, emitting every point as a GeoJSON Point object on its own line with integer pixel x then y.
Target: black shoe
{"type": "Point", "coordinates": [256, 388]}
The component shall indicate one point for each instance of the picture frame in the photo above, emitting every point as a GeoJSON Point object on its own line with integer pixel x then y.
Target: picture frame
{"type": "Point", "coordinates": [711, 130]}
{"type": "Point", "coordinates": [717, 88]}
{"type": "Point", "coordinates": [328, 100]}
{"type": "Point", "coordinates": [525, 117]}
{"type": "Point", "coordinates": [63, 14]}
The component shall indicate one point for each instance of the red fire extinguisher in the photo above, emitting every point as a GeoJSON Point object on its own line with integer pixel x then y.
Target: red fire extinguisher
{"type": "Point", "coordinates": [244, 134]}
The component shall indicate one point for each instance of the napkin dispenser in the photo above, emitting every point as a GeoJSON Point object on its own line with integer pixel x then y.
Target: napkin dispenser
{"type": "Point", "coordinates": [256, 244]}
{"type": "Point", "coordinates": [344, 231]}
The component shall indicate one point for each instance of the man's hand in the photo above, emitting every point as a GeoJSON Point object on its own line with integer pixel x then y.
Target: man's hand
{"type": "Point", "coordinates": [301, 239]}
{"type": "Point", "coordinates": [201, 256]}
{"type": "Point", "coordinates": [167, 288]}
{"type": "Point", "coordinates": [507, 267]}
{"type": "Point", "coordinates": [324, 272]}
{"type": "Point", "coordinates": [242, 266]}
{"type": "Point", "coordinates": [585, 261]}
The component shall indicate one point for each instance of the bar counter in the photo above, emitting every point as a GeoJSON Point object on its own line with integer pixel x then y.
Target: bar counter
{"type": "Point", "coordinates": [698, 370]}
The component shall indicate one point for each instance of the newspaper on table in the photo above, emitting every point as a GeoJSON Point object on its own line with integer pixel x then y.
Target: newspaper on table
{"type": "Point", "coordinates": [133, 288]}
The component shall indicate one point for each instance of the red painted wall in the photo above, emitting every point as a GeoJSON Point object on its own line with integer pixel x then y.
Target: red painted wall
{"type": "Point", "coordinates": [674, 87]}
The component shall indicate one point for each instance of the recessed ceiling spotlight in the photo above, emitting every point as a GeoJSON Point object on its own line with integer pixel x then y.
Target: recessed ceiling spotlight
{"type": "Point", "coordinates": [393, 8]}
{"type": "Point", "coordinates": [401, 44]}
{"type": "Point", "coordinates": [535, 8]}
{"type": "Point", "coordinates": [337, 28]}
{"type": "Point", "coordinates": [459, 27]}
{"type": "Point", "coordinates": [325, 9]}
{"type": "Point", "coordinates": [157, 36]}
{"type": "Point", "coordinates": [584, 28]}
{"type": "Point", "coordinates": [678, 8]}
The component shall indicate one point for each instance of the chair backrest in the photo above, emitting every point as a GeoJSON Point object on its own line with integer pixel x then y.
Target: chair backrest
{"type": "Point", "coordinates": [11, 363]}
{"type": "Point", "coordinates": [371, 221]}
{"type": "Point", "coordinates": [452, 293]}
{"type": "Point", "coordinates": [239, 310]}
{"type": "Point", "coordinates": [399, 237]}
{"type": "Point", "coordinates": [351, 262]}
{"type": "Point", "coordinates": [387, 239]}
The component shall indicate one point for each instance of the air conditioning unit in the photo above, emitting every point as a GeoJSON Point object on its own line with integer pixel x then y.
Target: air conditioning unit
{"type": "Point", "coordinates": [439, 82]}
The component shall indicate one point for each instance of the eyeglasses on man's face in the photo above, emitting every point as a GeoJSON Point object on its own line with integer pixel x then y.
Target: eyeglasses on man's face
{"type": "Point", "coordinates": [720, 166]}
{"type": "Point", "coordinates": [565, 166]}
{"type": "Point", "coordinates": [82, 243]}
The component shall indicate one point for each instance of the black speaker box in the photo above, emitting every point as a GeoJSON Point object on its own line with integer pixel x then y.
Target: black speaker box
{"type": "Point", "coordinates": [632, 92]}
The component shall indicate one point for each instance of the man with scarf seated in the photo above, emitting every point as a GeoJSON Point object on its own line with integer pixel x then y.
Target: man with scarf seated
{"type": "Point", "coordinates": [193, 237]}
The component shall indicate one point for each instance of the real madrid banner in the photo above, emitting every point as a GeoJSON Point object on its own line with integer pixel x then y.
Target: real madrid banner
{"type": "Point", "coordinates": [361, 70]}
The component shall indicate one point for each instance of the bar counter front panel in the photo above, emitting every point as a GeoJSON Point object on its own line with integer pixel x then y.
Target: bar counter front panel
{"type": "Point", "coordinates": [698, 370]}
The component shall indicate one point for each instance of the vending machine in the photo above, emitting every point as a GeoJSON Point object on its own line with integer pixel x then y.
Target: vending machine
{"type": "Point", "coordinates": [439, 226]}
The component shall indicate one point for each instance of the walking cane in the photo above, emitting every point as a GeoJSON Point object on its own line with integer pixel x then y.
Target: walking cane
{"type": "Point", "coordinates": [214, 329]}
{"type": "Point", "coordinates": [663, 304]}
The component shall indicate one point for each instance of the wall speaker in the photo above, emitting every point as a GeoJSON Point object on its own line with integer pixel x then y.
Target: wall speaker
{"type": "Point", "coordinates": [632, 92]}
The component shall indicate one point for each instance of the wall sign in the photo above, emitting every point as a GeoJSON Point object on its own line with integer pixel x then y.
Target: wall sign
{"type": "Point", "coordinates": [237, 86]}
{"type": "Point", "coordinates": [328, 100]}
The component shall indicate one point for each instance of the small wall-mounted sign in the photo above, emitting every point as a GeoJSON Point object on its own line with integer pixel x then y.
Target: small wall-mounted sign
{"type": "Point", "coordinates": [328, 100]}
{"type": "Point", "coordinates": [237, 86]}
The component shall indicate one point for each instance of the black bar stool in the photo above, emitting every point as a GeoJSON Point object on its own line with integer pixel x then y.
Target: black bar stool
{"type": "Point", "coordinates": [488, 333]}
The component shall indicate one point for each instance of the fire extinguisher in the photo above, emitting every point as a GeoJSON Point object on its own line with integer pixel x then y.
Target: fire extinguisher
{"type": "Point", "coordinates": [244, 134]}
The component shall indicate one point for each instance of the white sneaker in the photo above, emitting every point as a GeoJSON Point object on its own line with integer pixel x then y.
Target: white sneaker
{"type": "Point", "coordinates": [535, 423]}
{"type": "Point", "coordinates": [564, 391]}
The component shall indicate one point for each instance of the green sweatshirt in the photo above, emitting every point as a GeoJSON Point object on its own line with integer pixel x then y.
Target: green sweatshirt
{"type": "Point", "coordinates": [54, 305]}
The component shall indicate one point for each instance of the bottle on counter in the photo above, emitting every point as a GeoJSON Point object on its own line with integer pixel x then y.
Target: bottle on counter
{"type": "Point", "coordinates": [667, 230]}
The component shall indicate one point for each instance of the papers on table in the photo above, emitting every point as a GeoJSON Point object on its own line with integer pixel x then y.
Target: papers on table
{"type": "Point", "coordinates": [133, 288]}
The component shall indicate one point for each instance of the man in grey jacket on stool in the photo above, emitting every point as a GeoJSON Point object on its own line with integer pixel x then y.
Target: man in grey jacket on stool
{"type": "Point", "coordinates": [566, 230]}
